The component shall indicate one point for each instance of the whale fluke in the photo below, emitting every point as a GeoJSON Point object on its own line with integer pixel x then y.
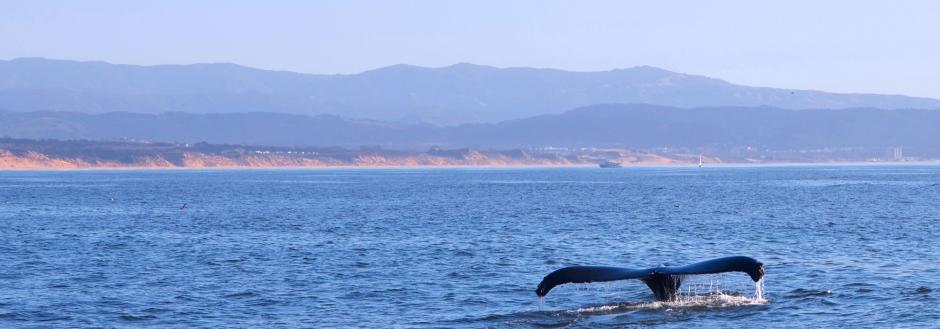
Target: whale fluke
{"type": "Point", "coordinates": [664, 281]}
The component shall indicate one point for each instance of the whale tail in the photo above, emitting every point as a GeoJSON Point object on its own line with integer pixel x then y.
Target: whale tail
{"type": "Point", "coordinates": [664, 281]}
{"type": "Point", "coordinates": [664, 286]}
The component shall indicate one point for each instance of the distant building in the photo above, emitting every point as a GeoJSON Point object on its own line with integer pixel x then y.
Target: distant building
{"type": "Point", "coordinates": [898, 154]}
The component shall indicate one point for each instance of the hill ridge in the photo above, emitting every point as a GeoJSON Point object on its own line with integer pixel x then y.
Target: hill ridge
{"type": "Point", "coordinates": [448, 95]}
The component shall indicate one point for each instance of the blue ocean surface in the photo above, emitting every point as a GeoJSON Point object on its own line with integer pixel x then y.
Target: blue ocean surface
{"type": "Point", "coordinates": [844, 246]}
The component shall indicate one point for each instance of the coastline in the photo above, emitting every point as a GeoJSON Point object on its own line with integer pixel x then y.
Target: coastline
{"type": "Point", "coordinates": [53, 155]}
{"type": "Point", "coordinates": [475, 166]}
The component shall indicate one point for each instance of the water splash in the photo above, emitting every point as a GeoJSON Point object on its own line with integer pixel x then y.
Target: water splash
{"type": "Point", "coordinates": [698, 291]}
{"type": "Point", "coordinates": [759, 290]}
{"type": "Point", "coordinates": [714, 300]}
{"type": "Point", "coordinates": [720, 284]}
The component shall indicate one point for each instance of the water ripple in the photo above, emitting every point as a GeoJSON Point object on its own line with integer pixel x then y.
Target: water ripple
{"type": "Point", "coordinates": [445, 248]}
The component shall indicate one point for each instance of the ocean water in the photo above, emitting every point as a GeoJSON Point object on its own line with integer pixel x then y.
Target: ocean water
{"type": "Point", "coordinates": [844, 246]}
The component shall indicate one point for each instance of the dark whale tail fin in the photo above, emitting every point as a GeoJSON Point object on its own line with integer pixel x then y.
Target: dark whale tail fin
{"type": "Point", "coordinates": [664, 281]}
{"type": "Point", "coordinates": [748, 265]}
{"type": "Point", "coordinates": [587, 274]}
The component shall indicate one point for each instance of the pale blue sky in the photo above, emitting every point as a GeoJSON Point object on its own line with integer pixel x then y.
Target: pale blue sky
{"type": "Point", "coordinates": [846, 46]}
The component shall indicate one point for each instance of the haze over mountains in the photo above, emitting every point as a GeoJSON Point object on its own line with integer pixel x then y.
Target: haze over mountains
{"type": "Point", "coordinates": [643, 127]}
{"type": "Point", "coordinates": [457, 94]}
{"type": "Point", "coordinates": [418, 109]}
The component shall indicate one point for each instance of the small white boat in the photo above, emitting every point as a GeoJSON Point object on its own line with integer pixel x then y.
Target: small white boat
{"type": "Point", "coordinates": [609, 164]}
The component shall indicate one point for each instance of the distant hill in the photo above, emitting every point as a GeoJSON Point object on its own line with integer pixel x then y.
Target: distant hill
{"type": "Point", "coordinates": [615, 125]}
{"type": "Point", "coordinates": [652, 126]}
{"type": "Point", "coordinates": [228, 128]}
{"type": "Point", "coordinates": [456, 94]}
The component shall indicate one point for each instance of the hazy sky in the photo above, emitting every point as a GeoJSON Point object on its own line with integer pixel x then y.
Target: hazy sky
{"type": "Point", "coordinates": [847, 46]}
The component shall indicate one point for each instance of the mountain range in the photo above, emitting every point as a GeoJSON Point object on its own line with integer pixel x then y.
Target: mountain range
{"type": "Point", "coordinates": [452, 95]}
{"type": "Point", "coordinates": [636, 126]}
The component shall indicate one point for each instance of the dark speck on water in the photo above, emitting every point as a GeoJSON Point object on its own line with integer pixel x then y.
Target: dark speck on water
{"type": "Point", "coordinates": [844, 246]}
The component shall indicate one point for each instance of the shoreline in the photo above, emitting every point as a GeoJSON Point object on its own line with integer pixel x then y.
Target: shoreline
{"type": "Point", "coordinates": [505, 166]}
